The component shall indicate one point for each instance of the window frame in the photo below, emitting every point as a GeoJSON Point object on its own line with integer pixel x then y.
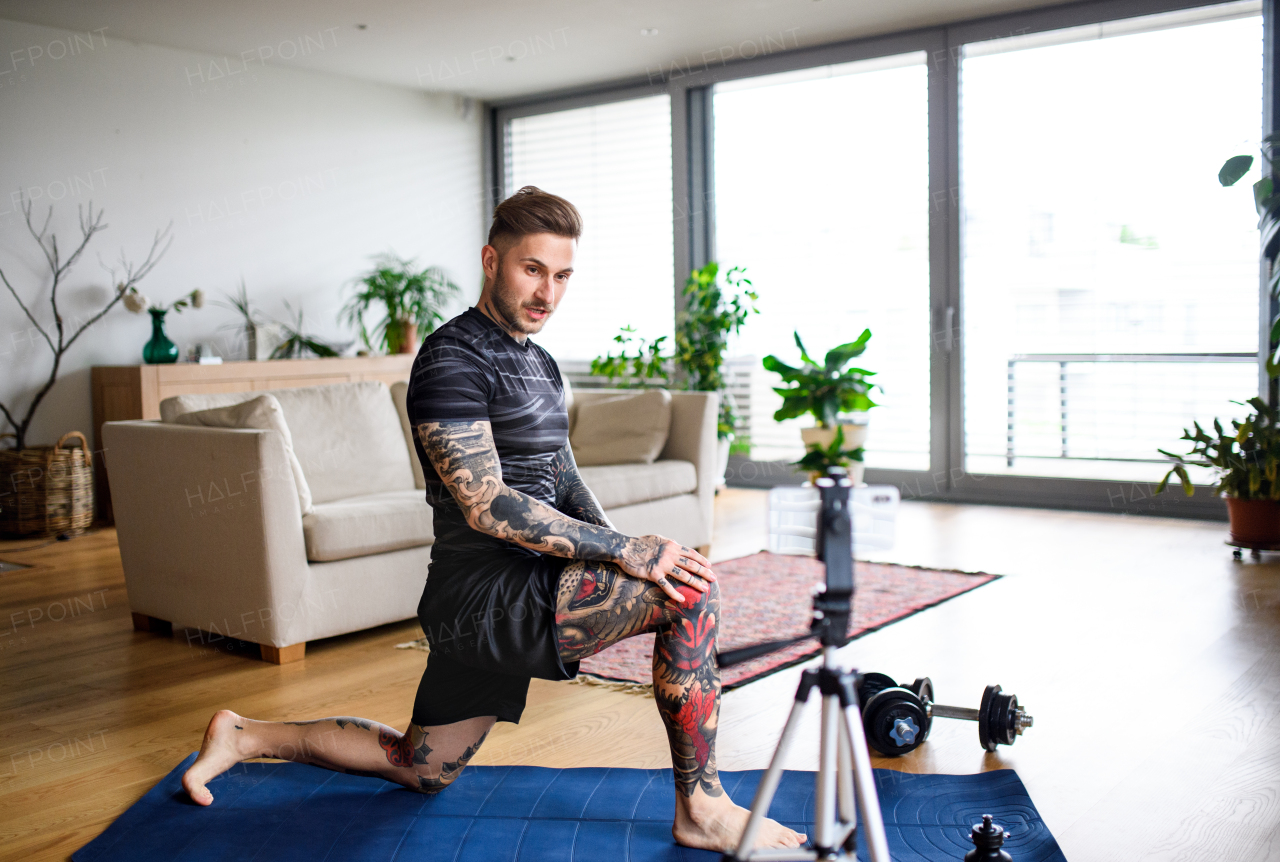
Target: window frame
{"type": "Point", "coordinates": [693, 231]}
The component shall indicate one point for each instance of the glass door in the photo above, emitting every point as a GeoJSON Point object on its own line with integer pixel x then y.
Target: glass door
{"type": "Point", "coordinates": [1109, 283]}
{"type": "Point", "coordinates": [822, 193]}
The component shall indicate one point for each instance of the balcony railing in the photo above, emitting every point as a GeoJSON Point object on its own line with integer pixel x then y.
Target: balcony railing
{"type": "Point", "coordinates": [1065, 359]}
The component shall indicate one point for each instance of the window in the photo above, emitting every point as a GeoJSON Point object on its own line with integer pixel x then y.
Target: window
{"type": "Point", "coordinates": [613, 161]}
{"type": "Point", "coordinates": [822, 193]}
{"type": "Point", "coordinates": [1109, 283]}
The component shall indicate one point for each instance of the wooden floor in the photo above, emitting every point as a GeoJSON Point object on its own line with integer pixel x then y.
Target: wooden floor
{"type": "Point", "coordinates": [1150, 660]}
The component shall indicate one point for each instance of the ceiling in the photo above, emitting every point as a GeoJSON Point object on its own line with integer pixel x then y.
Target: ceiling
{"type": "Point", "coordinates": [495, 49]}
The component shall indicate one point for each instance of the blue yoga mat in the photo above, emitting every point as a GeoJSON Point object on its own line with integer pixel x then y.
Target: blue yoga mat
{"type": "Point", "coordinates": [290, 811]}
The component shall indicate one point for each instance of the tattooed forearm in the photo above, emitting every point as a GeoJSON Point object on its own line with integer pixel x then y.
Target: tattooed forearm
{"type": "Point", "coordinates": [464, 456]}
{"type": "Point", "coordinates": [573, 497]}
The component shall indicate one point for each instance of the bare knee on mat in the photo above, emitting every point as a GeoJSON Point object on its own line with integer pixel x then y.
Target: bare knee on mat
{"type": "Point", "coordinates": [438, 755]}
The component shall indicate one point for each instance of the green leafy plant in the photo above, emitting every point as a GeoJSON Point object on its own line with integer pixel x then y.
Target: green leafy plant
{"type": "Point", "coordinates": [630, 370]}
{"type": "Point", "coordinates": [297, 343]}
{"type": "Point", "coordinates": [1245, 459]}
{"type": "Point", "coordinates": [824, 389]}
{"type": "Point", "coordinates": [241, 305]}
{"type": "Point", "coordinates": [1266, 200]}
{"type": "Point", "coordinates": [712, 312]}
{"type": "Point", "coordinates": [410, 297]}
{"type": "Point", "coordinates": [817, 459]}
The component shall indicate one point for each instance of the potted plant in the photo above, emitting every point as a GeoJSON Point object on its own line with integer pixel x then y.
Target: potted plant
{"type": "Point", "coordinates": [818, 459]}
{"type": "Point", "coordinates": [711, 313]}
{"type": "Point", "coordinates": [261, 336]}
{"type": "Point", "coordinates": [649, 365]}
{"type": "Point", "coordinates": [828, 391]}
{"type": "Point", "coordinates": [48, 490]}
{"type": "Point", "coordinates": [296, 343]}
{"type": "Point", "coordinates": [1245, 461]}
{"type": "Point", "coordinates": [413, 300]}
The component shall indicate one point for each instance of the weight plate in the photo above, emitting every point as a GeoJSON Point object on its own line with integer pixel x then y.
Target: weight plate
{"type": "Point", "coordinates": [923, 688]}
{"type": "Point", "coordinates": [1004, 727]}
{"type": "Point", "coordinates": [895, 722]}
{"type": "Point", "coordinates": [984, 717]}
{"type": "Point", "coordinates": [871, 685]}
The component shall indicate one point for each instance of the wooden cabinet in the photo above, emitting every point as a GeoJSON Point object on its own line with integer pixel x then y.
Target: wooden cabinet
{"type": "Point", "coordinates": [135, 391]}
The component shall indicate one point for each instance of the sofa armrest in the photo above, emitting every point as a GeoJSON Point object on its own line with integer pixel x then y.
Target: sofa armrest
{"type": "Point", "coordinates": [209, 527]}
{"type": "Point", "coordinates": [694, 419]}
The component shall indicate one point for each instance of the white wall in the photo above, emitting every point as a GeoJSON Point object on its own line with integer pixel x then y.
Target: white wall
{"type": "Point", "coordinates": [288, 178]}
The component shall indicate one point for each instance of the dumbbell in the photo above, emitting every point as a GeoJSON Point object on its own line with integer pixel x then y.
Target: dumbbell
{"type": "Point", "coordinates": [897, 719]}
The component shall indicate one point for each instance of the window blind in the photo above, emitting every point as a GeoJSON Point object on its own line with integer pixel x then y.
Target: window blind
{"type": "Point", "coordinates": [613, 162]}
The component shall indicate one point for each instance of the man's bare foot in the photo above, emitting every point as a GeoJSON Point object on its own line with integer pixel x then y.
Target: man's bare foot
{"type": "Point", "coordinates": [716, 823]}
{"type": "Point", "coordinates": [219, 752]}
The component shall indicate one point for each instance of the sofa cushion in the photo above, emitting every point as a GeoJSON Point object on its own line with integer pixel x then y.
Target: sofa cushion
{"type": "Point", "coordinates": [624, 429]}
{"type": "Point", "coordinates": [262, 412]}
{"type": "Point", "coordinates": [369, 524]}
{"type": "Point", "coordinates": [346, 435]}
{"type": "Point", "coordinates": [624, 484]}
{"type": "Point", "coordinates": [400, 395]}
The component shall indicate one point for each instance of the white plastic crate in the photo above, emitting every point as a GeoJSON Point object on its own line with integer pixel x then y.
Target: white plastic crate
{"type": "Point", "coordinates": [793, 518]}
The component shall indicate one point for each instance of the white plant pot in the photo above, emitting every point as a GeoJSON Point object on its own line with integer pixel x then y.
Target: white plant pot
{"type": "Point", "coordinates": [855, 436]}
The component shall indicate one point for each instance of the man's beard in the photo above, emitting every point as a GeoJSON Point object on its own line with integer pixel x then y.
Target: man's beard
{"type": "Point", "coordinates": [509, 308]}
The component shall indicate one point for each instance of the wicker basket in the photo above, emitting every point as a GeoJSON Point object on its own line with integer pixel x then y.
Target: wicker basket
{"type": "Point", "coordinates": [46, 490]}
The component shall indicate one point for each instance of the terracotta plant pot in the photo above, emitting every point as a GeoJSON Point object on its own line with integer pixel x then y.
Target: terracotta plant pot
{"type": "Point", "coordinates": [408, 341]}
{"type": "Point", "coordinates": [1254, 522]}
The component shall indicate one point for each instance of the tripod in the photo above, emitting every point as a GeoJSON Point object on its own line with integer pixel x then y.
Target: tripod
{"type": "Point", "coordinates": [844, 780]}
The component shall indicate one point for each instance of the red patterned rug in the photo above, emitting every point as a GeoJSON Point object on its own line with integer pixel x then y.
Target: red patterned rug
{"type": "Point", "coordinates": [769, 597]}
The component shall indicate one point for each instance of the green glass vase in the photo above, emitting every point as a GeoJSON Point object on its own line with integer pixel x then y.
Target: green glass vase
{"type": "Point", "coordinates": [159, 350]}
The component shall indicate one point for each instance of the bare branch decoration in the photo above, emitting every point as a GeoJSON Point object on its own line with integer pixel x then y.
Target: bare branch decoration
{"type": "Point", "coordinates": [91, 224]}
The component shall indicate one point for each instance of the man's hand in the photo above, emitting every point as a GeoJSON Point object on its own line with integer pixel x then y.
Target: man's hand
{"type": "Point", "coordinates": [663, 561]}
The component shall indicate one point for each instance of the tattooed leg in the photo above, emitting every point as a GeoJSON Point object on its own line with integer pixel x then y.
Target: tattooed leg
{"type": "Point", "coordinates": [597, 606]}
{"type": "Point", "coordinates": [425, 759]}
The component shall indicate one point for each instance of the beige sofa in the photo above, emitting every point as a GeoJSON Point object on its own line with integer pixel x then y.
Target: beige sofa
{"type": "Point", "coordinates": [214, 540]}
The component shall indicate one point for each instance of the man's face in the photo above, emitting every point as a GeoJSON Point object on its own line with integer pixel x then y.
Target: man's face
{"type": "Point", "coordinates": [529, 279]}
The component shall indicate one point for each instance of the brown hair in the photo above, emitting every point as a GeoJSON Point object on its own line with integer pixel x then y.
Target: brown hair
{"type": "Point", "coordinates": [531, 210]}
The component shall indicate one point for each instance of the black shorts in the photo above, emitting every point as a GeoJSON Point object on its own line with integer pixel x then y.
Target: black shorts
{"type": "Point", "coordinates": [490, 621]}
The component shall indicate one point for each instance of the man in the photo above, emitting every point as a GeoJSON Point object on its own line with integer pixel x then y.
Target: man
{"type": "Point", "coordinates": [527, 575]}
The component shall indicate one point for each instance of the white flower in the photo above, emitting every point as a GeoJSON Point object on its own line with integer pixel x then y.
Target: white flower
{"type": "Point", "coordinates": [136, 302]}
{"type": "Point", "coordinates": [197, 298]}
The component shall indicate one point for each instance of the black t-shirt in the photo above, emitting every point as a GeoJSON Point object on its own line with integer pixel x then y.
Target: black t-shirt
{"type": "Point", "coordinates": [470, 370]}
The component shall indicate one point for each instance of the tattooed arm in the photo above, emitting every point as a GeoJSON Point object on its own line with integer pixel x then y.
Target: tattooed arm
{"type": "Point", "coordinates": [573, 497]}
{"type": "Point", "coordinates": [466, 459]}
